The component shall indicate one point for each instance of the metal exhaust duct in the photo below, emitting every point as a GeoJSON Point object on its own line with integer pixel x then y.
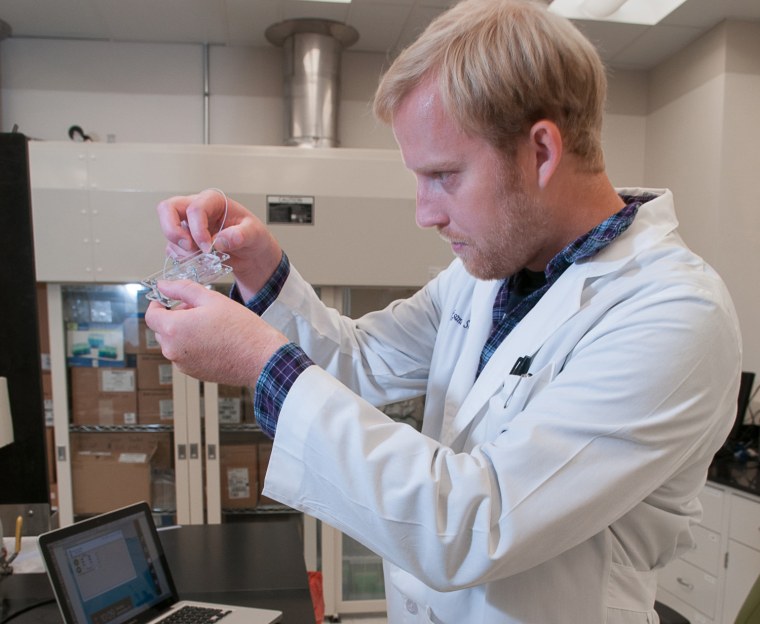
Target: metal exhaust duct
{"type": "Point", "coordinates": [311, 73]}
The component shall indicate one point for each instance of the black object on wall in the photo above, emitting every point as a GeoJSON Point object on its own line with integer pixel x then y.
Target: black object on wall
{"type": "Point", "coordinates": [23, 473]}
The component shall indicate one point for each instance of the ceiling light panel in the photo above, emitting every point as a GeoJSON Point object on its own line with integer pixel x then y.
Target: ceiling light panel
{"type": "Point", "coordinates": [647, 12]}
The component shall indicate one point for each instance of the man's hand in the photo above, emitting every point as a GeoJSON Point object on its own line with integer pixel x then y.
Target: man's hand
{"type": "Point", "coordinates": [211, 337]}
{"type": "Point", "coordinates": [193, 222]}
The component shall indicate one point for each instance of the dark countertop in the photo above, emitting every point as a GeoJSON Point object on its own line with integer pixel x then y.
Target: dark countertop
{"type": "Point", "coordinates": [258, 563]}
{"type": "Point", "coordinates": [741, 475]}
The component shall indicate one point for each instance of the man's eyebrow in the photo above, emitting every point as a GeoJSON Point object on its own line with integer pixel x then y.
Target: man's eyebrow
{"type": "Point", "coordinates": [433, 167]}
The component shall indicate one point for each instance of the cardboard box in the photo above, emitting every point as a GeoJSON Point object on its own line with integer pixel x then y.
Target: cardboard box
{"type": "Point", "coordinates": [50, 454]}
{"type": "Point", "coordinates": [47, 397]}
{"type": "Point", "coordinates": [163, 457]}
{"type": "Point", "coordinates": [43, 322]}
{"type": "Point", "coordinates": [103, 396]}
{"type": "Point", "coordinates": [239, 475]}
{"type": "Point", "coordinates": [138, 337]}
{"type": "Point", "coordinates": [248, 414]}
{"type": "Point", "coordinates": [53, 489]}
{"type": "Point", "coordinates": [106, 480]}
{"type": "Point", "coordinates": [155, 407]}
{"type": "Point", "coordinates": [265, 450]}
{"type": "Point", "coordinates": [47, 385]}
{"type": "Point", "coordinates": [94, 344]}
{"type": "Point", "coordinates": [230, 403]}
{"type": "Point", "coordinates": [154, 372]}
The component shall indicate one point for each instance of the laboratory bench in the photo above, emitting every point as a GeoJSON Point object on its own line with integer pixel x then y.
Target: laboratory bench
{"type": "Point", "coordinates": [258, 564]}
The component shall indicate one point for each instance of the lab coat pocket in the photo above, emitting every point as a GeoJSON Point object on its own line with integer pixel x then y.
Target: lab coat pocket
{"type": "Point", "coordinates": [516, 394]}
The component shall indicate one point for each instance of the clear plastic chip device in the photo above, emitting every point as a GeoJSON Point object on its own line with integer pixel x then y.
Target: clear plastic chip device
{"type": "Point", "coordinates": [202, 267]}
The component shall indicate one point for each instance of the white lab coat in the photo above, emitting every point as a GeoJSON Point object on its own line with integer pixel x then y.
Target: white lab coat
{"type": "Point", "coordinates": [549, 498]}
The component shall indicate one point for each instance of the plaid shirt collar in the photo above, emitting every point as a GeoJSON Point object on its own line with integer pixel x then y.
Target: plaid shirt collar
{"type": "Point", "coordinates": [506, 314]}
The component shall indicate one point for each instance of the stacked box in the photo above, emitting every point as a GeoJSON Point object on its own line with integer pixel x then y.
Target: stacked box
{"type": "Point", "coordinates": [138, 337]}
{"type": "Point", "coordinates": [154, 372]}
{"type": "Point", "coordinates": [265, 450]}
{"type": "Point", "coordinates": [239, 476]}
{"type": "Point", "coordinates": [95, 344]}
{"type": "Point", "coordinates": [163, 458]}
{"type": "Point", "coordinates": [230, 404]}
{"type": "Point", "coordinates": [155, 407]}
{"type": "Point", "coordinates": [103, 396]}
{"type": "Point", "coordinates": [104, 479]}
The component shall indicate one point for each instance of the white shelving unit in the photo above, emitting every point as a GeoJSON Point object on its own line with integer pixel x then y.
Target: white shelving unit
{"type": "Point", "coordinates": [709, 584]}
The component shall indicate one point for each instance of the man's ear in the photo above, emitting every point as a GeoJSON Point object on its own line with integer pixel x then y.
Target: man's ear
{"type": "Point", "coordinates": [546, 143]}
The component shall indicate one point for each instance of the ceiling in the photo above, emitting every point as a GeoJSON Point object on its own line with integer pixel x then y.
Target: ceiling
{"type": "Point", "coordinates": [384, 25]}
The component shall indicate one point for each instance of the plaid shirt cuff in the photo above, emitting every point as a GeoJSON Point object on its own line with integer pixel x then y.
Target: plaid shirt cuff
{"type": "Point", "coordinates": [271, 290]}
{"type": "Point", "coordinates": [275, 381]}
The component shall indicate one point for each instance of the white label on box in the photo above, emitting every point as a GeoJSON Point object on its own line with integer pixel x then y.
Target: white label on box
{"type": "Point", "coordinates": [166, 409]}
{"type": "Point", "coordinates": [45, 361]}
{"type": "Point", "coordinates": [150, 339]}
{"type": "Point", "coordinates": [230, 410]}
{"type": "Point", "coordinates": [116, 380]}
{"type": "Point", "coordinates": [48, 412]}
{"type": "Point", "coordinates": [130, 418]}
{"type": "Point", "coordinates": [133, 458]}
{"type": "Point", "coordinates": [238, 484]}
{"type": "Point", "coordinates": [165, 374]}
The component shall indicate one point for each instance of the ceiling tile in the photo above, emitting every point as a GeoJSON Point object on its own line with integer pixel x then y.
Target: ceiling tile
{"type": "Point", "coordinates": [294, 9]}
{"type": "Point", "coordinates": [165, 21]}
{"type": "Point", "coordinates": [418, 20]}
{"type": "Point", "coordinates": [378, 25]}
{"type": "Point", "coordinates": [247, 21]}
{"type": "Point", "coordinates": [654, 45]}
{"type": "Point", "coordinates": [707, 13]}
{"type": "Point", "coordinates": [610, 38]}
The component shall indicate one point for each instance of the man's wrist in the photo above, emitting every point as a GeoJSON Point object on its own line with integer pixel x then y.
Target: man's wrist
{"type": "Point", "coordinates": [267, 295]}
{"type": "Point", "coordinates": [274, 383]}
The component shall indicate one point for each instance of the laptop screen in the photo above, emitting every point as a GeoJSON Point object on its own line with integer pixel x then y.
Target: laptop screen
{"type": "Point", "coordinates": [109, 569]}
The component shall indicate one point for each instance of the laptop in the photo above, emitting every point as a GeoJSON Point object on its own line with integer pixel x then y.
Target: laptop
{"type": "Point", "coordinates": [111, 569]}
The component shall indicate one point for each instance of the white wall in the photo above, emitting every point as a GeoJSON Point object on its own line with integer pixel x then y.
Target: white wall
{"type": "Point", "coordinates": [701, 141]}
{"type": "Point", "coordinates": [141, 93]}
{"type": "Point", "coordinates": [739, 209]}
{"type": "Point", "coordinates": [624, 131]}
{"type": "Point", "coordinates": [153, 93]}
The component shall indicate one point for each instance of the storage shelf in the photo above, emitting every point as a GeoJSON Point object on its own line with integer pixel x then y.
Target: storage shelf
{"type": "Point", "coordinates": [259, 510]}
{"type": "Point", "coordinates": [239, 428]}
{"type": "Point", "coordinates": [120, 428]}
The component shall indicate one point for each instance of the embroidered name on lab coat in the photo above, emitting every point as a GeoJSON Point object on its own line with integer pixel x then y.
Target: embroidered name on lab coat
{"type": "Point", "coordinates": [459, 320]}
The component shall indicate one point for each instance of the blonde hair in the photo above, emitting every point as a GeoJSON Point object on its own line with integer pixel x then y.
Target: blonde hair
{"type": "Point", "coordinates": [502, 65]}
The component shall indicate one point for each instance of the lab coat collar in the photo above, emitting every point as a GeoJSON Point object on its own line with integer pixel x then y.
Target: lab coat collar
{"type": "Point", "coordinates": [656, 217]}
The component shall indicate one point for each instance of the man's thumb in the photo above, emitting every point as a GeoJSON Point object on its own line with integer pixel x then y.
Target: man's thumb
{"type": "Point", "coordinates": [186, 291]}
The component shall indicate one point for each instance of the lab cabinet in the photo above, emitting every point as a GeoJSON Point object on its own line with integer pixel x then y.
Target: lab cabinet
{"type": "Point", "coordinates": [743, 553]}
{"type": "Point", "coordinates": [708, 584]}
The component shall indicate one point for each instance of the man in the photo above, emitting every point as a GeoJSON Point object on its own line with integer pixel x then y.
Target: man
{"type": "Point", "coordinates": [580, 364]}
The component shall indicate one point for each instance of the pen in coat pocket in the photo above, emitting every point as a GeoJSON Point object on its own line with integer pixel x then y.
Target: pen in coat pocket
{"type": "Point", "coordinates": [520, 368]}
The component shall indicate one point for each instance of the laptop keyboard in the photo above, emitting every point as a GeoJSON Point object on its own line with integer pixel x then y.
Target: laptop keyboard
{"type": "Point", "coordinates": [195, 615]}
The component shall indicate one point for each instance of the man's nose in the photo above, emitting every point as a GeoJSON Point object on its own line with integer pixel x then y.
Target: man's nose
{"type": "Point", "coordinates": [429, 211]}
